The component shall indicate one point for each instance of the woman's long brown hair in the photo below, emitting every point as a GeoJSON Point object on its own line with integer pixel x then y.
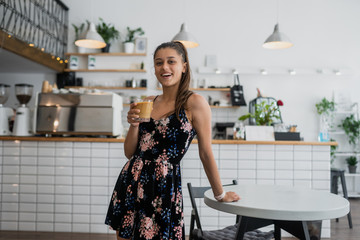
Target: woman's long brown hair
{"type": "Point", "coordinates": [183, 93]}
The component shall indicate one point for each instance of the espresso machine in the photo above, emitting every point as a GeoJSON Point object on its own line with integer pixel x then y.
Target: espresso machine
{"type": "Point", "coordinates": [5, 112]}
{"type": "Point", "coordinates": [22, 125]}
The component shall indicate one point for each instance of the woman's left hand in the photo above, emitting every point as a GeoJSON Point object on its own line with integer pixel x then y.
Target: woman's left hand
{"type": "Point", "coordinates": [230, 197]}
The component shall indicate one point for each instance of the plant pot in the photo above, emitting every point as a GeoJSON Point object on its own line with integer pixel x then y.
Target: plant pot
{"type": "Point", "coordinates": [106, 48]}
{"type": "Point", "coordinates": [352, 169]}
{"type": "Point", "coordinates": [129, 47]}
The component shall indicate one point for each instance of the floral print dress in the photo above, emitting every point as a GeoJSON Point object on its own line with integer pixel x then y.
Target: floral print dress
{"type": "Point", "coordinates": [147, 199]}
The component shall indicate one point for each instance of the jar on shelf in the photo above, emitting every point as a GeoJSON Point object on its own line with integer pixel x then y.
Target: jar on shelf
{"type": "Point", "coordinates": [239, 131]}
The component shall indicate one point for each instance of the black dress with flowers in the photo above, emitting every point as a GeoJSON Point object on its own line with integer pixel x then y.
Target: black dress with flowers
{"type": "Point", "coordinates": [147, 199]}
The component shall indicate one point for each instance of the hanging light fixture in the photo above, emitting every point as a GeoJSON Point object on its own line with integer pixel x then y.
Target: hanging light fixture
{"type": "Point", "coordinates": [277, 40]}
{"type": "Point", "coordinates": [186, 38]}
{"type": "Point", "coordinates": [91, 39]}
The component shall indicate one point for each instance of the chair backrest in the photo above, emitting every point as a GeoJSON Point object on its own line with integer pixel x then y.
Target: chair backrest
{"type": "Point", "coordinates": [198, 192]}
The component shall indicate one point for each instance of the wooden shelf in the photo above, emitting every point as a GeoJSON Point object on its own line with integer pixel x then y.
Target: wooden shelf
{"type": "Point", "coordinates": [106, 54]}
{"type": "Point", "coordinates": [205, 89]}
{"type": "Point", "coordinates": [105, 70]}
{"type": "Point", "coordinates": [104, 87]}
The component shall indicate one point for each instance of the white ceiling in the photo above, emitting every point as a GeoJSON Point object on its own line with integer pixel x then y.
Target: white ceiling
{"type": "Point", "coordinates": [13, 63]}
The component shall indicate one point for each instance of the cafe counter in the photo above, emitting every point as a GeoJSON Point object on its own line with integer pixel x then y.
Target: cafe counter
{"type": "Point", "coordinates": [65, 184]}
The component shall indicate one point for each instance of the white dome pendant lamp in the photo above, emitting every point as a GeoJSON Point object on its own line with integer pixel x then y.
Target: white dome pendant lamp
{"type": "Point", "coordinates": [91, 39]}
{"type": "Point", "coordinates": [277, 40]}
{"type": "Point", "coordinates": [186, 38]}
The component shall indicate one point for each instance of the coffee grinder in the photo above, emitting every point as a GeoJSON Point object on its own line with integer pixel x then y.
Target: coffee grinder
{"type": "Point", "coordinates": [5, 112]}
{"type": "Point", "coordinates": [22, 126]}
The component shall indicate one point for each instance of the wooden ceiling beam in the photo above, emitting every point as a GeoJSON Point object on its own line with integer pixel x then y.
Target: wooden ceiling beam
{"type": "Point", "coordinates": [34, 54]}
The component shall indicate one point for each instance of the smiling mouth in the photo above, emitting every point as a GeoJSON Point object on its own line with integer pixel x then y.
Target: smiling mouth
{"type": "Point", "coordinates": [166, 75]}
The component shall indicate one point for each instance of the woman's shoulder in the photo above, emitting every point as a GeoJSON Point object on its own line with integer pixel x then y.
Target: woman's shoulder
{"type": "Point", "coordinates": [196, 101]}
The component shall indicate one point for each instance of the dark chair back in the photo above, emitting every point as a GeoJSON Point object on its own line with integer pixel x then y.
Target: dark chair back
{"type": "Point", "coordinates": [198, 192]}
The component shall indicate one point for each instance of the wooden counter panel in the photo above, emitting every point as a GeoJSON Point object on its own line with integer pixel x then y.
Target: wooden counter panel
{"type": "Point", "coordinates": [215, 141]}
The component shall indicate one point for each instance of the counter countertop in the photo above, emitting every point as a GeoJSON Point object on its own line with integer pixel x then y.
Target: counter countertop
{"type": "Point", "coordinates": [120, 140]}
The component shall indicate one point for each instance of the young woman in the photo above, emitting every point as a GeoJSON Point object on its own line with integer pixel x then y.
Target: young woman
{"type": "Point", "coordinates": [147, 199]}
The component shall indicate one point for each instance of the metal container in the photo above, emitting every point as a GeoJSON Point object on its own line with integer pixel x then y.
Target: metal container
{"type": "Point", "coordinates": [79, 114]}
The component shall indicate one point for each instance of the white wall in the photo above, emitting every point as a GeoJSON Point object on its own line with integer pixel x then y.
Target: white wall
{"type": "Point", "coordinates": [324, 33]}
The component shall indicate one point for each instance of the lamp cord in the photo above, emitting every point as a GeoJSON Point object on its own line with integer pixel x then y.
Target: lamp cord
{"type": "Point", "coordinates": [277, 11]}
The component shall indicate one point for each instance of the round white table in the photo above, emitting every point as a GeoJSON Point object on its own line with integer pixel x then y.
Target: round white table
{"type": "Point", "coordinates": [288, 208]}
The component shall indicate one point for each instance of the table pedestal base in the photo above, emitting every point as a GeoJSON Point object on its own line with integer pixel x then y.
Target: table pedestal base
{"type": "Point", "coordinates": [298, 229]}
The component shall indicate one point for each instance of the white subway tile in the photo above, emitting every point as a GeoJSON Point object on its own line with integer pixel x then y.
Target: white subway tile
{"type": "Point", "coordinates": [63, 217]}
{"type": "Point", "coordinates": [10, 197]}
{"type": "Point", "coordinates": [98, 200]}
{"type": "Point", "coordinates": [244, 147]}
{"type": "Point", "coordinates": [28, 170]}
{"type": "Point", "coordinates": [321, 156]}
{"type": "Point", "coordinates": [44, 227]}
{"type": "Point", "coordinates": [302, 174]}
{"type": "Point", "coordinates": [191, 173]}
{"type": "Point", "coordinates": [99, 181]}
{"type": "Point", "coordinates": [28, 198]}
{"type": "Point", "coordinates": [29, 144]}
{"type": "Point", "coordinates": [81, 171]}
{"type": "Point", "coordinates": [265, 155]}
{"type": "Point", "coordinates": [280, 148]}
{"type": "Point", "coordinates": [81, 162]}
{"type": "Point", "coordinates": [46, 161]}
{"type": "Point", "coordinates": [63, 208]}
{"type": "Point", "coordinates": [99, 191]}
{"type": "Point", "coordinates": [27, 226]}
{"type": "Point", "coordinates": [100, 145]}
{"type": "Point", "coordinates": [9, 226]}
{"type": "Point", "coordinates": [28, 151]}
{"type": "Point", "coordinates": [321, 165]}
{"type": "Point", "coordinates": [246, 155]}
{"type": "Point", "coordinates": [316, 148]}
{"type": "Point", "coordinates": [45, 179]}
{"type": "Point", "coordinates": [228, 154]}
{"type": "Point", "coordinates": [62, 198]}
{"type": "Point", "coordinates": [28, 160]}
{"type": "Point", "coordinates": [116, 145]}
{"type": "Point", "coordinates": [46, 144]}
{"type": "Point", "coordinates": [9, 216]}
{"type": "Point", "coordinates": [321, 184]}
{"type": "Point", "coordinates": [265, 164]}
{"type": "Point", "coordinates": [11, 144]}
{"type": "Point", "coordinates": [228, 174]}
{"type": "Point", "coordinates": [79, 152]}
{"type": "Point", "coordinates": [284, 155]}
{"type": "Point", "coordinates": [284, 165]}
{"type": "Point", "coordinates": [265, 174]}
{"type": "Point", "coordinates": [99, 162]}
{"type": "Point", "coordinates": [98, 228]}
{"type": "Point", "coordinates": [99, 209]}
{"type": "Point", "coordinates": [81, 227]}
{"type": "Point", "coordinates": [265, 147]}
{"type": "Point", "coordinates": [63, 180]}
{"type": "Point", "coordinates": [116, 153]}
{"type": "Point", "coordinates": [30, 217]}
{"type": "Point", "coordinates": [42, 170]}
{"type": "Point", "coordinates": [306, 148]}
{"type": "Point", "coordinates": [27, 207]}
{"type": "Point", "coordinates": [46, 151]}
{"type": "Point", "coordinates": [10, 207]}
{"type": "Point", "coordinates": [80, 199]}
{"type": "Point", "coordinates": [63, 161]}
{"type": "Point", "coordinates": [11, 151]}
{"type": "Point", "coordinates": [81, 190]}
{"type": "Point", "coordinates": [81, 207]}
{"type": "Point", "coordinates": [24, 188]}
{"type": "Point", "coordinates": [247, 164]}
{"type": "Point", "coordinates": [81, 218]}
{"type": "Point", "coordinates": [246, 174]}
{"type": "Point", "coordinates": [119, 162]}
{"type": "Point", "coordinates": [114, 172]}
{"type": "Point", "coordinates": [62, 227]}
{"type": "Point", "coordinates": [63, 171]}
{"type": "Point", "coordinates": [11, 160]}
{"type": "Point", "coordinates": [61, 189]}
{"type": "Point", "coordinates": [302, 165]}
{"type": "Point", "coordinates": [47, 189]}
{"type": "Point", "coordinates": [99, 152]}
{"type": "Point", "coordinates": [10, 188]}
{"type": "Point", "coordinates": [45, 198]}
{"type": "Point", "coordinates": [64, 144]}
{"type": "Point", "coordinates": [302, 155]}
{"type": "Point", "coordinates": [12, 179]}
{"type": "Point", "coordinates": [228, 164]}
{"type": "Point", "coordinates": [45, 208]}
{"type": "Point", "coordinates": [191, 163]}
{"type": "Point", "coordinates": [321, 175]}
{"type": "Point", "coordinates": [80, 181]}
{"type": "Point", "coordinates": [284, 174]}
{"type": "Point", "coordinates": [78, 145]}
{"type": "Point", "coordinates": [11, 169]}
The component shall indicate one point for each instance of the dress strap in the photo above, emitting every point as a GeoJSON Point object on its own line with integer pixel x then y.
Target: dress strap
{"type": "Point", "coordinates": [155, 98]}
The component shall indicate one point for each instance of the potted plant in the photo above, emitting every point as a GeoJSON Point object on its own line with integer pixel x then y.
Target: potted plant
{"type": "Point", "coordinates": [79, 32]}
{"type": "Point", "coordinates": [129, 42]}
{"type": "Point", "coordinates": [107, 32]}
{"type": "Point", "coordinates": [352, 161]}
{"type": "Point", "coordinates": [264, 113]}
{"type": "Point", "coordinates": [325, 109]}
{"type": "Point", "coordinates": [351, 127]}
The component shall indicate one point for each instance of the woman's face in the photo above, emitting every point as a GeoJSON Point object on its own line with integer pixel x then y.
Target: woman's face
{"type": "Point", "coordinates": [169, 67]}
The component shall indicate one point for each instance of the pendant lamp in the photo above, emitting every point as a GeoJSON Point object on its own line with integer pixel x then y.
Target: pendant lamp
{"type": "Point", "coordinates": [186, 38]}
{"type": "Point", "coordinates": [91, 39]}
{"type": "Point", "coordinates": [277, 40]}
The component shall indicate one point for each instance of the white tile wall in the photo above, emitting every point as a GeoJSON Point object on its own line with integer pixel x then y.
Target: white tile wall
{"type": "Point", "coordinates": [65, 186]}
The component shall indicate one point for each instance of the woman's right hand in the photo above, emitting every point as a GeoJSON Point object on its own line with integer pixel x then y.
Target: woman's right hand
{"type": "Point", "coordinates": [132, 114]}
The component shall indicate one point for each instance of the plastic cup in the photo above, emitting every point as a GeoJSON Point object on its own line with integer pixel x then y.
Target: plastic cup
{"type": "Point", "coordinates": [145, 107]}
